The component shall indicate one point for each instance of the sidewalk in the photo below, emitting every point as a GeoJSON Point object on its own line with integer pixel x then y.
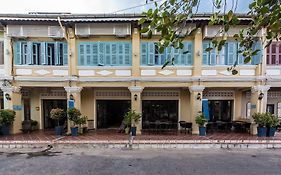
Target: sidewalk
{"type": "Point", "coordinates": [111, 139]}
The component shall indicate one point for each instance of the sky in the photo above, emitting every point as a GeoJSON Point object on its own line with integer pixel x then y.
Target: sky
{"type": "Point", "coordinates": [95, 6]}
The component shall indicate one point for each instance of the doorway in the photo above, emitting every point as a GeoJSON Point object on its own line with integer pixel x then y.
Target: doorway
{"type": "Point", "coordinates": [110, 113]}
{"type": "Point", "coordinates": [220, 110]}
{"type": "Point", "coordinates": [48, 105]}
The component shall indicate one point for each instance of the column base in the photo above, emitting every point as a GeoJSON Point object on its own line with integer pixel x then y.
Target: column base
{"type": "Point", "coordinates": [253, 129]}
{"type": "Point", "coordinates": [196, 132]}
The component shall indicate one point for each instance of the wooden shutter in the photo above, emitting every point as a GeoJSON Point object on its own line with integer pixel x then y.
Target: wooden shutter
{"type": "Point", "coordinates": [101, 54]}
{"type": "Point", "coordinates": [17, 55]}
{"type": "Point", "coordinates": [257, 58]}
{"type": "Point", "coordinates": [128, 54]}
{"type": "Point", "coordinates": [95, 53]}
{"type": "Point", "coordinates": [81, 54]}
{"type": "Point", "coordinates": [144, 53]}
{"type": "Point", "coordinates": [189, 55]}
{"type": "Point", "coordinates": [151, 54]}
{"type": "Point", "coordinates": [120, 55]}
{"type": "Point", "coordinates": [29, 54]}
{"type": "Point", "coordinates": [43, 56]}
{"type": "Point", "coordinates": [206, 55]}
{"type": "Point", "coordinates": [65, 54]}
{"type": "Point", "coordinates": [114, 54]}
{"type": "Point", "coordinates": [1, 52]}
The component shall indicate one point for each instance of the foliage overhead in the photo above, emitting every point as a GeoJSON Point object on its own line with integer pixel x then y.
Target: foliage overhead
{"type": "Point", "coordinates": [170, 17]}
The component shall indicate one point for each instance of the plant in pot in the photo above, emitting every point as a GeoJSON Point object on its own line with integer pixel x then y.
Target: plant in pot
{"type": "Point", "coordinates": [261, 120]}
{"type": "Point", "coordinates": [74, 116]}
{"type": "Point", "coordinates": [132, 118]}
{"type": "Point", "coordinates": [82, 121]}
{"type": "Point", "coordinates": [7, 117]}
{"type": "Point", "coordinates": [34, 125]}
{"type": "Point", "coordinates": [272, 124]}
{"type": "Point", "coordinates": [57, 114]}
{"type": "Point", "coordinates": [201, 121]}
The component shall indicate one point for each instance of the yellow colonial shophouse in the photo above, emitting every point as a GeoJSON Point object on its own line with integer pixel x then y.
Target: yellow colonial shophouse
{"type": "Point", "coordinates": [104, 65]}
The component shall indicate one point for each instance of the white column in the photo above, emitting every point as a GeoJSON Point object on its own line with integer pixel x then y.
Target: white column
{"type": "Point", "coordinates": [136, 103]}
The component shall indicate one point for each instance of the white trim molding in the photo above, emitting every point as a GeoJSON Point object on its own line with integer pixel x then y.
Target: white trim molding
{"type": "Point", "coordinates": [196, 88]}
{"type": "Point", "coordinates": [74, 89]}
{"type": "Point", "coordinates": [135, 89]}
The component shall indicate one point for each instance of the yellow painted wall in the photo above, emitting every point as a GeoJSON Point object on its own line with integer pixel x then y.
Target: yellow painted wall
{"type": "Point", "coordinates": [87, 103]}
{"type": "Point", "coordinates": [184, 106]}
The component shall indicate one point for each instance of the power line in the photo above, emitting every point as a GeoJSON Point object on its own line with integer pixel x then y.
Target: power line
{"type": "Point", "coordinates": [136, 6]}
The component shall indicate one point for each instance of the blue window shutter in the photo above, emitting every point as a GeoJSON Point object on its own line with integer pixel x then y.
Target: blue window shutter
{"type": "Point", "coordinates": [189, 55]}
{"type": "Point", "coordinates": [43, 57]}
{"type": "Point", "coordinates": [81, 54]}
{"type": "Point", "coordinates": [101, 54]}
{"type": "Point", "coordinates": [108, 54]}
{"type": "Point", "coordinates": [114, 54]}
{"type": "Point", "coordinates": [57, 54]}
{"type": "Point", "coordinates": [144, 53]}
{"type": "Point", "coordinates": [88, 54]}
{"type": "Point", "coordinates": [29, 53]}
{"type": "Point", "coordinates": [120, 51]}
{"type": "Point", "coordinates": [206, 55]}
{"type": "Point", "coordinates": [128, 54]}
{"type": "Point", "coordinates": [95, 53]}
{"type": "Point", "coordinates": [231, 53]}
{"type": "Point", "coordinates": [65, 54]}
{"type": "Point", "coordinates": [205, 108]}
{"type": "Point", "coordinates": [17, 55]}
{"type": "Point", "coordinates": [151, 54]}
{"type": "Point", "coordinates": [257, 58]}
{"type": "Point", "coordinates": [213, 57]}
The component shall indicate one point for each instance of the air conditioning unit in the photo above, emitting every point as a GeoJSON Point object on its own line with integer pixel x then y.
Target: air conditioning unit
{"type": "Point", "coordinates": [119, 30]}
{"type": "Point", "coordinates": [55, 32]}
{"type": "Point", "coordinates": [82, 30]}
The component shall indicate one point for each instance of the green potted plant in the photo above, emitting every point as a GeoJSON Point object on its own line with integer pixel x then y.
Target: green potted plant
{"type": "Point", "coordinates": [34, 125]}
{"type": "Point", "coordinates": [57, 114]}
{"type": "Point", "coordinates": [201, 121]}
{"type": "Point", "coordinates": [272, 124]}
{"type": "Point", "coordinates": [82, 121]}
{"type": "Point", "coordinates": [261, 120]}
{"type": "Point", "coordinates": [131, 118]}
{"type": "Point", "coordinates": [7, 117]}
{"type": "Point", "coordinates": [74, 116]}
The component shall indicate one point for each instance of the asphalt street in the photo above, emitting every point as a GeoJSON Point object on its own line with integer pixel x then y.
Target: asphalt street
{"type": "Point", "coordinates": [140, 161]}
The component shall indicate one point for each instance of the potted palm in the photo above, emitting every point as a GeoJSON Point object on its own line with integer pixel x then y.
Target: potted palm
{"type": "Point", "coordinates": [273, 122]}
{"type": "Point", "coordinates": [57, 114]}
{"type": "Point", "coordinates": [7, 117]}
{"type": "Point", "coordinates": [132, 118]}
{"type": "Point", "coordinates": [201, 121]}
{"type": "Point", "coordinates": [81, 124]}
{"type": "Point", "coordinates": [74, 116]}
{"type": "Point", "coordinates": [261, 120]}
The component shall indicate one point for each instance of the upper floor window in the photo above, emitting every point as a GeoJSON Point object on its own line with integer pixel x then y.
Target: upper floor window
{"type": "Point", "coordinates": [1, 52]}
{"type": "Point", "coordinates": [40, 53]}
{"type": "Point", "coordinates": [104, 54]}
{"type": "Point", "coordinates": [228, 55]}
{"type": "Point", "coordinates": [151, 56]}
{"type": "Point", "coordinates": [273, 53]}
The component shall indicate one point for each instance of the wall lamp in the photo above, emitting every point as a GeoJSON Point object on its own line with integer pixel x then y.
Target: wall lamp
{"type": "Point", "coordinates": [135, 97]}
{"type": "Point", "coordinates": [199, 96]}
{"type": "Point", "coordinates": [71, 97]}
{"type": "Point", "coordinates": [7, 96]}
{"type": "Point", "coordinates": [261, 96]}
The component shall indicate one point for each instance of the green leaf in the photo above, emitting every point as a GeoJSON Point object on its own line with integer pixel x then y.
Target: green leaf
{"type": "Point", "coordinates": [165, 64]}
{"type": "Point", "coordinates": [247, 59]}
{"type": "Point", "coordinates": [141, 21]}
{"type": "Point", "coordinates": [149, 34]}
{"type": "Point", "coordinates": [208, 49]}
{"type": "Point", "coordinates": [144, 30]}
{"type": "Point", "coordinates": [234, 72]}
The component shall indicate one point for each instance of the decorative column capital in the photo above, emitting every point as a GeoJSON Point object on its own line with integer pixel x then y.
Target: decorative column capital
{"type": "Point", "coordinates": [10, 89]}
{"type": "Point", "coordinates": [196, 88]}
{"type": "Point", "coordinates": [261, 88]}
{"type": "Point", "coordinates": [73, 89]}
{"type": "Point", "coordinates": [135, 89]}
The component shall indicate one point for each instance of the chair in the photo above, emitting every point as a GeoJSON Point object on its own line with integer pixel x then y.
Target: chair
{"type": "Point", "coordinates": [187, 126]}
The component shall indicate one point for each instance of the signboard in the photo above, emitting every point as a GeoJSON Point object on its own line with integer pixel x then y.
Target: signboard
{"type": "Point", "coordinates": [17, 107]}
{"type": "Point", "coordinates": [253, 106]}
{"type": "Point", "coordinates": [70, 104]}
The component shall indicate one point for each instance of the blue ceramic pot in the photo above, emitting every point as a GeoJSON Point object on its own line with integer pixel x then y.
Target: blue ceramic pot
{"type": "Point", "coordinates": [5, 130]}
{"type": "Point", "coordinates": [271, 132]}
{"type": "Point", "coordinates": [202, 131]}
{"type": "Point", "coordinates": [58, 130]}
{"type": "Point", "coordinates": [74, 131]}
{"type": "Point", "coordinates": [134, 131]}
{"type": "Point", "coordinates": [262, 131]}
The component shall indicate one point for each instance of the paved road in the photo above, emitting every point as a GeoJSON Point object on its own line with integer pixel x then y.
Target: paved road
{"type": "Point", "coordinates": [148, 161]}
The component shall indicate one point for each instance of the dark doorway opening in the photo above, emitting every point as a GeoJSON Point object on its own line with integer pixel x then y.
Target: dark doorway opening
{"type": "Point", "coordinates": [220, 110]}
{"type": "Point", "coordinates": [48, 105]}
{"type": "Point", "coordinates": [110, 113]}
{"type": "Point", "coordinates": [159, 110]}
